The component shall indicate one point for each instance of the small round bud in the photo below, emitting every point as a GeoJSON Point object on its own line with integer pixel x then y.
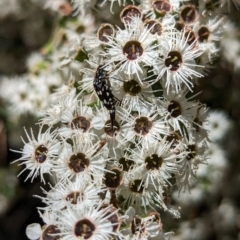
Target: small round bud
{"type": "Point", "coordinates": [104, 31]}
{"type": "Point", "coordinates": [129, 12]}
{"type": "Point", "coordinates": [189, 14]}
{"type": "Point", "coordinates": [161, 7]}
{"type": "Point", "coordinates": [154, 25]}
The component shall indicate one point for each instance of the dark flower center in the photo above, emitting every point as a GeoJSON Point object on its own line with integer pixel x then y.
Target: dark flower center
{"type": "Point", "coordinates": [114, 179]}
{"type": "Point", "coordinates": [104, 31]}
{"type": "Point", "coordinates": [41, 154]}
{"type": "Point", "coordinates": [142, 126]}
{"type": "Point", "coordinates": [153, 162]}
{"type": "Point", "coordinates": [191, 152]}
{"type": "Point", "coordinates": [111, 131]}
{"type": "Point", "coordinates": [73, 197]}
{"type": "Point", "coordinates": [188, 14]}
{"type": "Point", "coordinates": [51, 229]}
{"type": "Point", "coordinates": [80, 123]}
{"type": "Point", "coordinates": [173, 138]}
{"type": "Point", "coordinates": [126, 163]}
{"type": "Point", "coordinates": [132, 87]}
{"type": "Point", "coordinates": [173, 60]}
{"type": "Point", "coordinates": [135, 187]}
{"type": "Point", "coordinates": [137, 225]}
{"type": "Point", "coordinates": [161, 7]}
{"type": "Point", "coordinates": [114, 218]}
{"type": "Point", "coordinates": [79, 162]}
{"type": "Point", "coordinates": [154, 26]}
{"type": "Point", "coordinates": [174, 109]}
{"type": "Point", "coordinates": [190, 37]}
{"type": "Point", "coordinates": [133, 50]}
{"type": "Point", "coordinates": [84, 228]}
{"type": "Point", "coordinates": [203, 34]}
{"type": "Point", "coordinates": [179, 25]}
{"type": "Point", "coordinates": [129, 12]}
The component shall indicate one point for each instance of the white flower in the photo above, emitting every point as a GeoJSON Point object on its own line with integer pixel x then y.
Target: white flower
{"type": "Point", "coordinates": [139, 196]}
{"type": "Point", "coordinates": [176, 63]}
{"type": "Point", "coordinates": [87, 222]}
{"type": "Point", "coordinates": [131, 48]}
{"type": "Point", "coordinates": [77, 120]}
{"type": "Point", "coordinates": [196, 154]}
{"type": "Point", "coordinates": [34, 231]}
{"type": "Point", "coordinates": [144, 126]}
{"type": "Point", "coordinates": [155, 163]}
{"type": "Point", "coordinates": [178, 110]}
{"type": "Point", "coordinates": [20, 102]}
{"type": "Point", "coordinates": [208, 33]}
{"type": "Point", "coordinates": [218, 124]}
{"type": "Point", "coordinates": [132, 93]}
{"type": "Point", "coordinates": [74, 192]}
{"type": "Point", "coordinates": [38, 154]}
{"type": "Point", "coordinates": [79, 160]}
{"type": "Point", "coordinates": [102, 123]}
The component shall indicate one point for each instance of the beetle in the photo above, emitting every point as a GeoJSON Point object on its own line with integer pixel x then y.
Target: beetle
{"type": "Point", "coordinates": [103, 90]}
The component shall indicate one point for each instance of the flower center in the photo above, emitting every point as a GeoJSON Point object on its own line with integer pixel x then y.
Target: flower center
{"type": "Point", "coordinates": [153, 162]}
{"type": "Point", "coordinates": [78, 162]}
{"type": "Point", "coordinates": [137, 226]}
{"type": "Point", "coordinates": [190, 37]}
{"type": "Point", "coordinates": [132, 87]}
{"type": "Point", "coordinates": [132, 50]}
{"type": "Point", "coordinates": [41, 154]}
{"type": "Point", "coordinates": [203, 34]}
{"type": "Point", "coordinates": [188, 14]}
{"type": "Point", "coordinates": [126, 163]}
{"type": "Point", "coordinates": [142, 126]}
{"type": "Point", "coordinates": [135, 186]}
{"type": "Point", "coordinates": [84, 229]}
{"type": "Point", "coordinates": [174, 109]}
{"type": "Point", "coordinates": [179, 25]}
{"type": "Point", "coordinates": [191, 152]}
{"type": "Point", "coordinates": [113, 218]}
{"type": "Point", "coordinates": [104, 31]}
{"type": "Point", "coordinates": [113, 180]}
{"type": "Point", "coordinates": [173, 138]}
{"type": "Point", "coordinates": [173, 60]}
{"type": "Point", "coordinates": [73, 197]}
{"type": "Point", "coordinates": [161, 7]}
{"type": "Point", "coordinates": [51, 229]}
{"type": "Point", "coordinates": [129, 12]}
{"type": "Point", "coordinates": [154, 26]}
{"type": "Point", "coordinates": [111, 131]}
{"type": "Point", "coordinates": [80, 123]}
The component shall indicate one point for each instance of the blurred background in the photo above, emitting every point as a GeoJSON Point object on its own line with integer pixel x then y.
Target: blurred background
{"type": "Point", "coordinates": [212, 209]}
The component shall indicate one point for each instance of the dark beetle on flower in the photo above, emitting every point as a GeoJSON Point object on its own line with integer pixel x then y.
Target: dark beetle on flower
{"type": "Point", "coordinates": [103, 89]}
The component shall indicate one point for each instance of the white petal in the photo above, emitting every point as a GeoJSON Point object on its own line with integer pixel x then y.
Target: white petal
{"type": "Point", "coordinates": [34, 231]}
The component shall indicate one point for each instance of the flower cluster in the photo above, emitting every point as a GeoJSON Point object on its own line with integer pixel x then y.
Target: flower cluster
{"type": "Point", "coordinates": [126, 129]}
